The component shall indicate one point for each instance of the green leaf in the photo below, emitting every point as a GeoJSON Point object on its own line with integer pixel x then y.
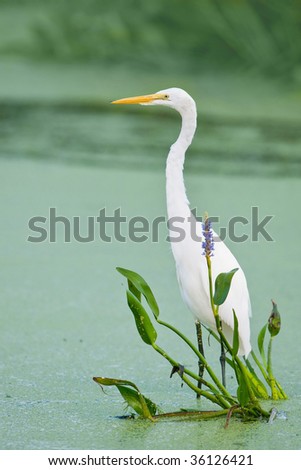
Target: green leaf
{"type": "Point", "coordinates": [143, 323]}
{"type": "Point", "coordinates": [134, 290]}
{"type": "Point", "coordinates": [153, 408]}
{"type": "Point", "coordinates": [222, 286]}
{"type": "Point", "coordinates": [108, 382]}
{"type": "Point", "coordinates": [260, 342]}
{"type": "Point", "coordinates": [133, 397]}
{"type": "Point", "coordinates": [137, 283]}
{"type": "Point", "coordinates": [235, 346]}
{"type": "Point", "coordinates": [242, 390]}
{"type": "Point", "coordinates": [251, 369]}
{"type": "Point", "coordinates": [142, 405]}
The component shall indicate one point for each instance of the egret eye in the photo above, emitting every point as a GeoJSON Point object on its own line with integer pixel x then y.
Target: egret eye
{"type": "Point", "coordinates": [166, 97]}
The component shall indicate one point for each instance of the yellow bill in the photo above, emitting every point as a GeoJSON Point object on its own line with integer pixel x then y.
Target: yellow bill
{"type": "Point", "coordinates": [141, 99]}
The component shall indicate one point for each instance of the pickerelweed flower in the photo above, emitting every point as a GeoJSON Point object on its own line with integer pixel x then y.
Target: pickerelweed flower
{"type": "Point", "coordinates": [207, 243]}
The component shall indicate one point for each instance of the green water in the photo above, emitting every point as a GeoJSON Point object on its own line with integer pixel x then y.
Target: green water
{"type": "Point", "coordinates": [83, 134]}
{"type": "Point", "coordinates": [64, 316]}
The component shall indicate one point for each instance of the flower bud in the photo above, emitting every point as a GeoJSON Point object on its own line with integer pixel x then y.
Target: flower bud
{"type": "Point", "coordinates": [274, 322]}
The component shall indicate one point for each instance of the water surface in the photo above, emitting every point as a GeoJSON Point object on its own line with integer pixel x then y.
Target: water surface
{"type": "Point", "coordinates": [64, 315]}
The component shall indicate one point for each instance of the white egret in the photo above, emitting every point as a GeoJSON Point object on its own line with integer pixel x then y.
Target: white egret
{"type": "Point", "coordinates": [191, 266]}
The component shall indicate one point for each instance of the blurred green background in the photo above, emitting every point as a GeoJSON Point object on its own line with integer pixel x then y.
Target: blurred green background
{"type": "Point", "coordinates": [169, 34]}
{"type": "Point", "coordinates": [62, 145]}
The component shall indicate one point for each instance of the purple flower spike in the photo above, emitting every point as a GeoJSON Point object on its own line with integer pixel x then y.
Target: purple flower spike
{"type": "Point", "coordinates": [207, 243]}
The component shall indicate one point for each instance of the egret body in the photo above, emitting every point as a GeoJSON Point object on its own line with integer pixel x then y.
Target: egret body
{"type": "Point", "coordinates": [191, 266]}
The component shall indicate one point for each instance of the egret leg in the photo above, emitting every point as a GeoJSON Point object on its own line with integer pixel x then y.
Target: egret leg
{"type": "Point", "coordinates": [223, 364]}
{"type": "Point", "coordinates": [199, 335]}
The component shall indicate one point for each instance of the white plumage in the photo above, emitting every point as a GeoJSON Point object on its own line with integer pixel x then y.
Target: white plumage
{"type": "Point", "coordinates": [191, 266]}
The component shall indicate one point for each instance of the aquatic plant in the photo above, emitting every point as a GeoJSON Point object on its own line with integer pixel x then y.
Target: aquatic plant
{"type": "Point", "coordinates": [251, 389]}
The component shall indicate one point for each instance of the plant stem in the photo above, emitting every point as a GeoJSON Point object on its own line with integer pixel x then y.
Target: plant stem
{"type": "Point", "coordinates": [270, 371]}
{"type": "Point", "coordinates": [260, 366]}
{"type": "Point", "coordinates": [244, 370]}
{"type": "Point", "coordinates": [252, 371]}
{"type": "Point", "coordinates": [193, 414]}
{"type": "Point", "coordinates": [216, 398]}
{"type": "Point", "coordinates": [213, 306]}
{"type": "Point", "coordinates": [281, 394]}
{"type": "Point", "coordinates": [281, 391]}
{"type": "Point", "coordinates": [200, 356]}
{"type": "Point", "coordinates": [236, 409]}
{"type": "Point", "coordinates": [199, 335]}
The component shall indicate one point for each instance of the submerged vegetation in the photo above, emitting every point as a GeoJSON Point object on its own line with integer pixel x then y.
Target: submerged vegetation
{"type": "Point", "coordinates": [250, 390]}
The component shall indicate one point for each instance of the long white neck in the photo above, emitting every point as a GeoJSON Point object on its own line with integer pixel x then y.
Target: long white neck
{"type": "Point", "coordinates": [177, 202]}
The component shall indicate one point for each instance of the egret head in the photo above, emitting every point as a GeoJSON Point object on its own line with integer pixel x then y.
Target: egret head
{"type": "Point", "coordinates": [175, 98]}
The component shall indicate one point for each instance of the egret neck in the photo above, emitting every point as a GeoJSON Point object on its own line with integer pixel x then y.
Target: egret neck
{"type": "Point", "coordinates": [177, 201]}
